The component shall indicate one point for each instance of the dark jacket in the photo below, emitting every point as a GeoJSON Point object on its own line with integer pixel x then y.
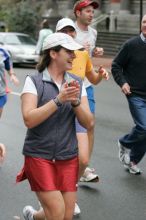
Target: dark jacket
{"type": "Point", "coordinates": [129, 66]}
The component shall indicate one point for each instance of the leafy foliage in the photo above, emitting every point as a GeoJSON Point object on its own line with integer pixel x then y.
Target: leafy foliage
{"type": "Point", "coordinates": [22, 17]}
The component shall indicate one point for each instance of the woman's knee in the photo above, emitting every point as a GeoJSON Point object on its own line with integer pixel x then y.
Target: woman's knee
{"type": "Point", "coordinates": [58, 215]}
{"type": "Point", "coordinates": [53, 205]}
{"type": "Point", "coordinates": [70, 199]}
{"type": "Point", "coordinates": [68, 218]}
{"type": "Point", "coordinates": [55, 212]}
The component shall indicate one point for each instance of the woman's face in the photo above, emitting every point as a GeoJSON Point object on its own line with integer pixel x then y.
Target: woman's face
{"type": "Point", "coordinates": [69, 30]}
{"type": "Point", "coordinates": [64, 59]}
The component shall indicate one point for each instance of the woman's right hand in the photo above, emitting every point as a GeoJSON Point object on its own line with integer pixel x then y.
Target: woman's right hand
{"type": "Point", "coordinates": [69, 92]}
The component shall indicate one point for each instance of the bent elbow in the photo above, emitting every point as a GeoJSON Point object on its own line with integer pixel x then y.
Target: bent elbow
{"type": "Point", "coordinates": [28, 123]}
{"type": "Point", "coordinates": [95, 81]}
{"type": "Point", "coordinates": [29, 126]}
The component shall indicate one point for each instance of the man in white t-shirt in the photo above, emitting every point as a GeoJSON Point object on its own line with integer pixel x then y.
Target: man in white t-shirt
{"type": "Point", "coordinates": [86, 35]}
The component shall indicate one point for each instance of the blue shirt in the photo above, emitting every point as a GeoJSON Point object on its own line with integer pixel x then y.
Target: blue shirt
{"type": "Point", "coordinates": [5, 64]}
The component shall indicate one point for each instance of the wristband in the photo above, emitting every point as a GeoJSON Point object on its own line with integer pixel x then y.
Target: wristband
{"type": "Point", "coordinates": [77, 104]}
{"type": "Point", "coordinates": [57, 102]}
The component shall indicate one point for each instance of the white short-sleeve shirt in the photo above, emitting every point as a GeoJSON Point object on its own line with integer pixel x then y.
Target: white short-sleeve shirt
{"type": "Point", "coordinates": [29, 87]}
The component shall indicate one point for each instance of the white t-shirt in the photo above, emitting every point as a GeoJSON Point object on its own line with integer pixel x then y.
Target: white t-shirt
{"type": "Point", "coordinates": [82, 38]}
{"type": "Point", "coordinates": [29, 87]}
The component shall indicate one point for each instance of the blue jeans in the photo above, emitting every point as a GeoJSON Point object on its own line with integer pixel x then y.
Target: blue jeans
{"type": "Point", "coordinates": [136, 139]}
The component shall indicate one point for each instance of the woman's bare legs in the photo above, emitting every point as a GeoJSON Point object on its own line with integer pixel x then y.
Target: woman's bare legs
{"type": "Point", "coordinates": [53, 204]}
{"type": "Point", "coordinates": [83, 146]}
{"type": "Point", "coordinates": [69, 200]}
{"type": "Point", "coordinates": [56, 206]}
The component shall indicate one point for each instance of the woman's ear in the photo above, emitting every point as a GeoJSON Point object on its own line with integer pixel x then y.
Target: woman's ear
{"type": "Point", "coordinates": [53, 54]}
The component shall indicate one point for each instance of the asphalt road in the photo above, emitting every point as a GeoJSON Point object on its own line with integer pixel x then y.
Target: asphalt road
{"type": "Point", "coordinates": [118, 196]}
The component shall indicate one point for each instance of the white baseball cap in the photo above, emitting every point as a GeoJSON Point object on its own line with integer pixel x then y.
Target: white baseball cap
{"type": "Point", "coordinates": [64, 22]}
{"type": "Point", "coordinates": [61, 39]}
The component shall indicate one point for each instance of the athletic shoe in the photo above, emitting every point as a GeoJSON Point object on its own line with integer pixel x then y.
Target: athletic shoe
{"type": "Point", "coordinates": [123, 154]}
{"type": "Point", "coordinates": [77, 210]}
{"type": "Point", "coordinates": [133, 168]}
{"type": "Point", "coordinates": [89, 176]}
{"type": "Point", "coordinates": [90, 169]}
{"type": "Point", "coordinates": [28, 212]}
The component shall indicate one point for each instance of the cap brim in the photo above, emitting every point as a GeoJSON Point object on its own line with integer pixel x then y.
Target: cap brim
{"type": "Point", "coordinates": [72, 46]}
{"type": "Point", "coordinates": [65, 25]}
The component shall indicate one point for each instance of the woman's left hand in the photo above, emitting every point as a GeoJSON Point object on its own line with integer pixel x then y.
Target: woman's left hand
{"type": "Point", "coordinates": [69, 92]}
{"type": "Point", "coordinates": [76, 97]}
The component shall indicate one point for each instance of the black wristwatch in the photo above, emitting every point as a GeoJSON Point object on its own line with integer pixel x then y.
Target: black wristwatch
{"type": "Point", "coordinates": [57, 102]}
{"type": "Point", "coordinates": [77, 104]}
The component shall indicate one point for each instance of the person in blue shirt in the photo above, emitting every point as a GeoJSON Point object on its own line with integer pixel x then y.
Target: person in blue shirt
{"type": "Point", "coordinates": [5, 65]}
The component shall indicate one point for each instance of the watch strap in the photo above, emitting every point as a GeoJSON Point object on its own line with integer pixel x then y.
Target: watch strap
{"type": "Point", "coordinates": [77, 104]}
{"type": "Point", "coordinates": [57, 102]}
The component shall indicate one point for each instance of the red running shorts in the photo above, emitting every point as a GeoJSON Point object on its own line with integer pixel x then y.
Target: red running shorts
{"type": "Point", "coordinates": [50, 175]}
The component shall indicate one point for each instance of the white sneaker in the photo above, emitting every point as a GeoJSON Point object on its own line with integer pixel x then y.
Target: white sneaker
{"type": "Point", "coordinates": [28, 212]}
{"type": "Point", "coordinates": [133, 168]}
{"type": "Point", "coordinates": [123, 154]}
{"type": "Point", "coordinates": [89, 176]}
{"type": "Point", "coordinates": [90, 169]}
{"type": "Point", "coordinates": [77, 210]}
